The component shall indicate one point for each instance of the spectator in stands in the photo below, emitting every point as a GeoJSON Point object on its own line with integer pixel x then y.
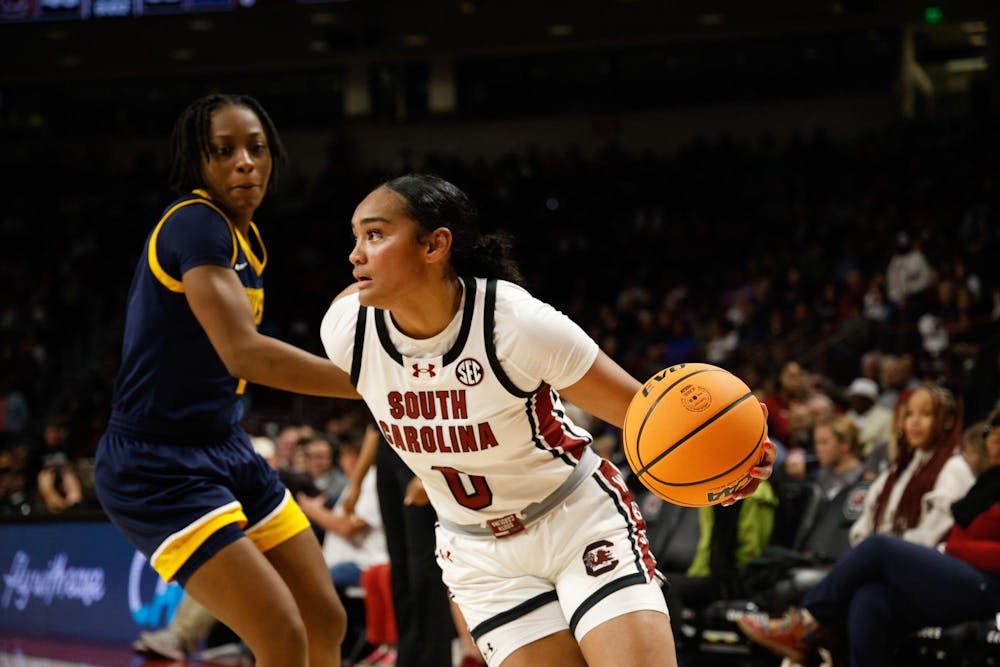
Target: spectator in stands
{"type": "Point", "coordinates": [298, 483]}
{"type": "Point", "coordinates": [14, 414]}
{"type": "Point", "coordinates": [286, 441]}
{"type": "Point", "coordinates": [837, 448]}
{"type": "Point", "coordinates": [800, 462]}
{"type": "Point", "coordinates": [791, 389]}
{"type": "Point", "coordinates": [821, 406]}
{"type": "Point", "coordinates": [354, 543]}
{"type": "Point", "coordinates": [874, 423]}
{"type": "Point", "coordinates": [321, 464]}
{"type": "Point", "coordinates": [420, 599]}
{"type": "Point", "coordinates": [870, 365]}
{"type": "Point", "coordinates": [14, 487]}
{"type": "Point", "coordinates": [897, 376]}
{"type": "Point", "coordinates": [911, 499]}
{"type": "Point", "coordinates": [908, 273]}
{"type": "Point", "coordinates": [58, 484]}
{"type": "Point", "coordinates": [887, 587]}
{"type": "Point", "coordinates": [722, 341]}
{"type": "Point", "coordinates": [730, 538]}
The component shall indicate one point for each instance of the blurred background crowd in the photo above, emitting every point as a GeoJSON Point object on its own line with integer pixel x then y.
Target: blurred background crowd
{"type": "Point", "coordinates": [800, 265]}
{"type": "Point", "coordinates": [801, 254]}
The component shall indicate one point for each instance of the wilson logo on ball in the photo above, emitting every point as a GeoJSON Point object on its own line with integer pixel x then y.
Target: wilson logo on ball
{"type": "Point", "coordinates": [695, 398]}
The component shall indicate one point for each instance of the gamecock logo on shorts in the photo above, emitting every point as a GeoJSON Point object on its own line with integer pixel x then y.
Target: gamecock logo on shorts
{"type": "Point", "coordinates": [599, 558]}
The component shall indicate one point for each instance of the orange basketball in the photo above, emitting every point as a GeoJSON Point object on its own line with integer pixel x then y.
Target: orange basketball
{"type": "Point", "coordinates": [692, 434]}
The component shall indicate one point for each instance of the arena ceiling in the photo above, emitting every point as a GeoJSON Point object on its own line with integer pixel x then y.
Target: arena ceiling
{"type": "Point", "coordinates": [273, 35]}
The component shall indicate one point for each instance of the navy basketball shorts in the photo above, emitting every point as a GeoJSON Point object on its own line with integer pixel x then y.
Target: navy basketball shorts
{"type": "Point", "coordinates": [181, 504]}
{"type": "Point", "coordinates": [585, 562]}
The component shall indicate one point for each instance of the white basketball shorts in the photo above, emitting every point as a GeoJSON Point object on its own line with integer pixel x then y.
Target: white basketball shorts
{"type": "Point", "coordinates": [583, 563]}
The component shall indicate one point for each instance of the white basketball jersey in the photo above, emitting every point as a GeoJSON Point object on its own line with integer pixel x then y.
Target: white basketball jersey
{"type": "Point", "coordinates": [484, 447]}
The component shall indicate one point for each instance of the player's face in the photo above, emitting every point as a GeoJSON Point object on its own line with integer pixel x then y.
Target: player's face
{"type": "Point", "coordinates": [918, 419]}
{"type": "Point", "coordinates": [388, 253]}
{"type": "Point", "coordinates": [239, 162]}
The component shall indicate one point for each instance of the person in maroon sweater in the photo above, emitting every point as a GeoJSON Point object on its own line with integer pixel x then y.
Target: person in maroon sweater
{"type": "Point", "coordinates": [886, 588]}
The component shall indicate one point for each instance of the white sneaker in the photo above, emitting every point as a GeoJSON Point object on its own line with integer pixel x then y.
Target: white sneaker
{"type": "Point", "coordinates": [233, 653]}
{"type": "Point", "coordinates": [162, 643]}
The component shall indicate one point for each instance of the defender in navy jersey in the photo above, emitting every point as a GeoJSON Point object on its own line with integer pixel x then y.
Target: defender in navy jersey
{"type": "Point", "coordinates": [175, 471]}
{"type": "Point", "coordinates": [539, 540]}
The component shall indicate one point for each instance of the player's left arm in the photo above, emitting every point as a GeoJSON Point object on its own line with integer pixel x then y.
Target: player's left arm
{"type": "Point", "coordinates": [604, 391]}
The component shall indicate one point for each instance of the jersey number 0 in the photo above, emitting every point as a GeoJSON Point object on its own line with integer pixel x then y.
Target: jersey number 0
{"type": "Point", "coordinates": [481, 495]}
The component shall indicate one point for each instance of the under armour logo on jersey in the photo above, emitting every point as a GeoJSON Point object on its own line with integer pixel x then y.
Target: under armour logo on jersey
{"type": "Point", "coordinates": [469, 372]}
{"type": "Point", "coordinates": [429, 370]}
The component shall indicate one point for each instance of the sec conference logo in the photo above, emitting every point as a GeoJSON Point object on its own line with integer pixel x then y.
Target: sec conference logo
{"type": "Point", "coordinates": [469, 372]}
{"type": "Point", "coordinates": [163, 602]}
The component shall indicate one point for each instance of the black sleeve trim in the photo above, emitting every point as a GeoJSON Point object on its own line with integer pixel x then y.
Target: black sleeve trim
{"type": "Point", "coordinates": [491, 350]}
{"type": "Point", "coordinates": [467, 312]}
{"type": "Point", "coordinates": [359, 344]}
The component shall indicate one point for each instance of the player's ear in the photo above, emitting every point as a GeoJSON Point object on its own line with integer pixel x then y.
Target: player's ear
{"type": "Point", "coordinates": [438, 244]}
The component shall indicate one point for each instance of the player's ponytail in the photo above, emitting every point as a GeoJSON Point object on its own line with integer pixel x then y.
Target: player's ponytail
{"type": "Point", "coordinates": [434, 202]}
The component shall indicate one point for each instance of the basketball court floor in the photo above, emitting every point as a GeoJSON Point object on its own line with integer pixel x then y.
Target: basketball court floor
{"type": "Point", "coordinates": [37, 652]}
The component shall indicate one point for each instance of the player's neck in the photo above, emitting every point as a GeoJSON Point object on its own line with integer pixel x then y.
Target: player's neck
{"type": "Point", "coordinates": [429, 314]}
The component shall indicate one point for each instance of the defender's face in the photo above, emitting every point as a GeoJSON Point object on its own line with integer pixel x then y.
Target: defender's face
{"type": "Point", "coordinates": [238, 167]}
{"type": "Point", "coordinates": [388, 254]}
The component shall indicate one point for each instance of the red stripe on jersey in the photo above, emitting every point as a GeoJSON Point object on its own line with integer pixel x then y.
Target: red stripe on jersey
{"type": "Point", "coordinates": [552, 427]}
{"type": "Point", "coordinates": [640, 542]}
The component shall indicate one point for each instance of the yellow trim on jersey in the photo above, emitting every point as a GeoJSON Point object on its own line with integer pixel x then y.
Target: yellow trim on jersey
{"type": "Point", "coordinates": [257, 264]}
{"type": "Point", "coordinates": [170, 556]}
{"type": "Point", "coordinates": [256, 297]}
{"type": "Point", "coordinates": [282, 524]}
{"type": "Point", "coordinates": [254, 294]}
{"type": "Point", "coordinates": [232, 228]}
{"type": "Point", "coordinates": [168, 281]}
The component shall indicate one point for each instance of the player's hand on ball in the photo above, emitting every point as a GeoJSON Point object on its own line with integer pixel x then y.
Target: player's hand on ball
{"type": "Point", "coordinates": [761, 472]}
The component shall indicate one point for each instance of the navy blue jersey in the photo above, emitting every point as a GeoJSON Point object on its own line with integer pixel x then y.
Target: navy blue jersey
{"type": "Point", "coordinates": [172, 386]}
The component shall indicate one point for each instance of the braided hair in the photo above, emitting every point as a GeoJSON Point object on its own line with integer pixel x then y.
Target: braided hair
{"type": "Point", "coordinates": [434, 202]}
{"type": "Point", "coordinates": [189, 141]}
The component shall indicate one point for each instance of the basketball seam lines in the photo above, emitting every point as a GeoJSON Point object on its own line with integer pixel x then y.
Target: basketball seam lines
{"type": "Point", "coordinates": [690, 435]}
{"type": "Point", "coordinates": [649, 410]}
{"type": "Point", "coordinates": [746, 458]}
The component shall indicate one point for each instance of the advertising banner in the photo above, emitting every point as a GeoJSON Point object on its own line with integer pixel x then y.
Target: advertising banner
{"type": "Point", "coordinates": [78, 579]}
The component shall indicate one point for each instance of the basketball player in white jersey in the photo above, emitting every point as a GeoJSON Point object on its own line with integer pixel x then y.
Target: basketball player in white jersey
{"type": "Point", "coordinates": [539, 540]}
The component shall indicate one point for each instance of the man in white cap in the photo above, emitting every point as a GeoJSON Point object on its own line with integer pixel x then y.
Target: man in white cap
{"type": "Point", "coordinates": [874, 422]}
